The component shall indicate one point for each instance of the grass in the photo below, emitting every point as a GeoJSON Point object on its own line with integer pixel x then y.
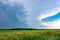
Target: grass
{"type": "Point", "coordinates": [29, 34]}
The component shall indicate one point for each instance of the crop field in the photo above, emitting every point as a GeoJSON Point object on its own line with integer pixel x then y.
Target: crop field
{"type": "Point", "coordinates": [29, 34]}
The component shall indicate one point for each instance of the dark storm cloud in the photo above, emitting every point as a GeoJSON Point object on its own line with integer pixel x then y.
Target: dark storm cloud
{"type": "Point", "coordinates": [12, 15]}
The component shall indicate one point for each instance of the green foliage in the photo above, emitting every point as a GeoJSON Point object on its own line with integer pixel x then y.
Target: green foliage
{"type": "Point", "coordinates": [29, 34]}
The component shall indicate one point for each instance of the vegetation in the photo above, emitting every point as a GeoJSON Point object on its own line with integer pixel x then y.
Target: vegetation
{"type": "Point", "coordinates": [30, 34]}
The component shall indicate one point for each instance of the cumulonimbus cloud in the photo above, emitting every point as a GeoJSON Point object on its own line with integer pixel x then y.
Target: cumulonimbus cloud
{"type": "Point", "coordinates": [12, 14]}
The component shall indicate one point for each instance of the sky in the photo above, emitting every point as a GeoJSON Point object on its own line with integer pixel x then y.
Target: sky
{"type": "Point", "coordinates": [40, 14]}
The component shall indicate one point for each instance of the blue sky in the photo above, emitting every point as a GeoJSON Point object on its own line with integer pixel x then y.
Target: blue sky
{"type": "Point", "coordinates": [42, 14]}
{"type": "Point", "coordinates": [52, 18]}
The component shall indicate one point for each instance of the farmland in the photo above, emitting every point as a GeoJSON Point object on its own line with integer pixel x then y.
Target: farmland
{"type": "Point", "coordinates": [29, 34]}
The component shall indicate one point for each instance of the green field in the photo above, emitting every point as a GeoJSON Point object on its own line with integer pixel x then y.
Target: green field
{"type": "Point", "coordinates": [29, 34]}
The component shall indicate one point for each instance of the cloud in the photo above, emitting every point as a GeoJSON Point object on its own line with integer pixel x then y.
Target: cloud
{"type": "Point", "coordinates": [35, 7]}
{"type": "Point", "coordinates": [37, 10]}
{"type": "Point", "coordinates": [12, 15]}
{"type": "Point", "coordinates": [52, 24]}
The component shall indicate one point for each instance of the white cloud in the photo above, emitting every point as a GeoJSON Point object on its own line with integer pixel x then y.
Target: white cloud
{"type": "Point", "coordinates": [50, 25]}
